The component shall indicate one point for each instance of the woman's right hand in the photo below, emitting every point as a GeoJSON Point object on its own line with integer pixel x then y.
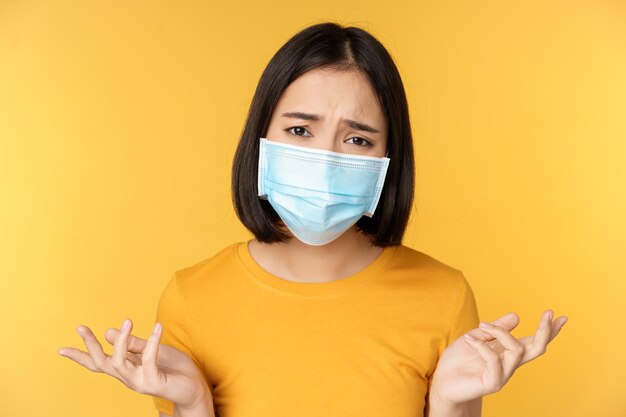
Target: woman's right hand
{"type": "Point", "coordinates": [144, 366]}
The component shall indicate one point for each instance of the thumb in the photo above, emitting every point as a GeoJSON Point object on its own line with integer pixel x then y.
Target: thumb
{"type": "Point", "coordinates": [135, 344]}
{"type": "Point", "coordinates": [508, 321]}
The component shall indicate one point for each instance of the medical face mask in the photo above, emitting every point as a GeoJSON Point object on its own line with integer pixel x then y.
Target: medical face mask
{"type": "Point", "coordinates": [319, 194]}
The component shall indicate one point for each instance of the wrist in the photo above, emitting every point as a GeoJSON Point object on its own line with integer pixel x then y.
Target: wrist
{"type": "Point", "coordinates": [438, 406]}
{"type": "Point", "coordinates": [201, 407]}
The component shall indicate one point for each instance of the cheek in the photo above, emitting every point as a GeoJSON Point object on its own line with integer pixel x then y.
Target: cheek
{"type": "Point", "coordinates": [382, 149]}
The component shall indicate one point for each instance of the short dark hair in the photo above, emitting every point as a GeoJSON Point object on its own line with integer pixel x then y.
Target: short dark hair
{"type": "Point", "coordinates": [329, 45]}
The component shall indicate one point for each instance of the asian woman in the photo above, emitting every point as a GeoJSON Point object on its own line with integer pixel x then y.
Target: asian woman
{"type": "Point", "coordinates": [324, 311]}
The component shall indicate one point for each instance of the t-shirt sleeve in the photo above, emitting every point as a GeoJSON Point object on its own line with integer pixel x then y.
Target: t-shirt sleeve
{"type": "Point", "coordinates": [466, 317]}
{"type": "Point", "coordinates": [172, 316]}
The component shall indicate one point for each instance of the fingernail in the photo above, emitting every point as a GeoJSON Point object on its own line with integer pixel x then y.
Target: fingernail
{"type": "Point", "coordinates": [157, 328]}
{"type": "Point", "coordinates": [470, 337]}
{"type": "Point", "coordinates": [62, 352]}
{"type": "Point", "coordinates": [485, 325]}
{"type": "Point", "coordinates": [550, 316]}
{"type": "Point", "coordinates": [126, 325]}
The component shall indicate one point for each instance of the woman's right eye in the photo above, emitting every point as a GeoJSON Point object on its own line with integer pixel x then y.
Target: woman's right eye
{"type": "Point", "coordinates": [296, 127]}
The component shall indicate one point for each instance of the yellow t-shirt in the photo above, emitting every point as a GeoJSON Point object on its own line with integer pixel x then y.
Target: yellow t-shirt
{"type": "Point", "coordinates": [365, 345]}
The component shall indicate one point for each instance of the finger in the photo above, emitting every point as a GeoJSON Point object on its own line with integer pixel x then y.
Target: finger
{"type": "Point", "coordinates": [557, 326]}
{"type": "Point", "coordinates": [134, 358]}
{"type": "Point", "coordinates": [508, 321]}
{"type": "Point", "coordinates": [119, 352]}
{"type": "Point", "coordinates": [150, 370]}
{"type": "Point", "coordinates": [135, 344]}
{"type": "Point", "coordinates": [492, 377]}
{"type": "Point", "coordinates": [80, 357]}
{"type": "Point", "coordinates": [536, 345]}
{"type": "Point", "coordinates": [100, 359]}
{"type": "Point", "coordinates": [513, 349]}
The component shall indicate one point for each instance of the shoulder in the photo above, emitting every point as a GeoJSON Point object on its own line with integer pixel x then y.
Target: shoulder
{"type": "Point", "coordinates": [428, 273]}
{"type": "Point", "coordinates": [207, 271]}
{"type": "Point", "coordinates": [422, 263]}
{"type": "Point", "coordinates": [449, 292]}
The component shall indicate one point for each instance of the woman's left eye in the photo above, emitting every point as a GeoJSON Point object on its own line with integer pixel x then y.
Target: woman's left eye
{"type": "Point", "coordinates": [360, 141]}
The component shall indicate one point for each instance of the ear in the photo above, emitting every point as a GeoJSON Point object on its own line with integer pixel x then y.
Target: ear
{"type": "Point", "coordinates": [135, 344]}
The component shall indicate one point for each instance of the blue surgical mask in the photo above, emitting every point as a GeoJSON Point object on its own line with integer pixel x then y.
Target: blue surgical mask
{"type": "Point", "coordinates": [319, 194]}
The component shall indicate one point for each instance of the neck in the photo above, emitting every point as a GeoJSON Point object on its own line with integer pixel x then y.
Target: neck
{"type": "Point", "coordinates": [297, 261]}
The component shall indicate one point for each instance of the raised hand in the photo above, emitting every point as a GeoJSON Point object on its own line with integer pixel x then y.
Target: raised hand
{"type": "Point", "coordinates": [484, 359]}
{"type": "Point", "coordinates": [145, 366]}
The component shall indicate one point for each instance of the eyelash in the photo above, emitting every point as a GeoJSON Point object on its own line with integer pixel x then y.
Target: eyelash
{"type": "Point", "coordinates": [368, 143]}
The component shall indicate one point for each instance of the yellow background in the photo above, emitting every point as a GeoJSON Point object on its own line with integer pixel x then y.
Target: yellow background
{"type": "Point", "coordinates": [119, 120]}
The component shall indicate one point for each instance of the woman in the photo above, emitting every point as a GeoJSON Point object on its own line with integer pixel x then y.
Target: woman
{"type": "Point", "coordinates": [324, 312]}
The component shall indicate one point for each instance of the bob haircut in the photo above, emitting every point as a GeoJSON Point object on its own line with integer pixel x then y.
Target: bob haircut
{"type": "Point", "coordinates": [331, 46]}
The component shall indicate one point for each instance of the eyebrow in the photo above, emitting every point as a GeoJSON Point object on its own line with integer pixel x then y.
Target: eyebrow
{"type": "Point", "coordinates": [315, 117]}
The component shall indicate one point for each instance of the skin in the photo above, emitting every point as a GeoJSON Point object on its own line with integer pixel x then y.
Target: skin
{"type": "Point", "coordinates": [471, 368]}
{"type": "Point", "coordinates": [147, 367]}
{"type": "Point", "coordinates": [467, 369]}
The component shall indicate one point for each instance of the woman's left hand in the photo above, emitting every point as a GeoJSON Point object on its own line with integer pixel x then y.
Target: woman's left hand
{"type": "Point", "coordinates": [469, 369]}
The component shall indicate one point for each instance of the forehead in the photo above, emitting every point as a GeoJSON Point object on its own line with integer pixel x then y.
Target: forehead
{"type": "Point", "coordinates": [347, 94]}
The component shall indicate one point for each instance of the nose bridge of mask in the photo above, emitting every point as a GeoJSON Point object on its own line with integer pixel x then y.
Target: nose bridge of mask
{"type": "Point", "coordinates": [321, 170]}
